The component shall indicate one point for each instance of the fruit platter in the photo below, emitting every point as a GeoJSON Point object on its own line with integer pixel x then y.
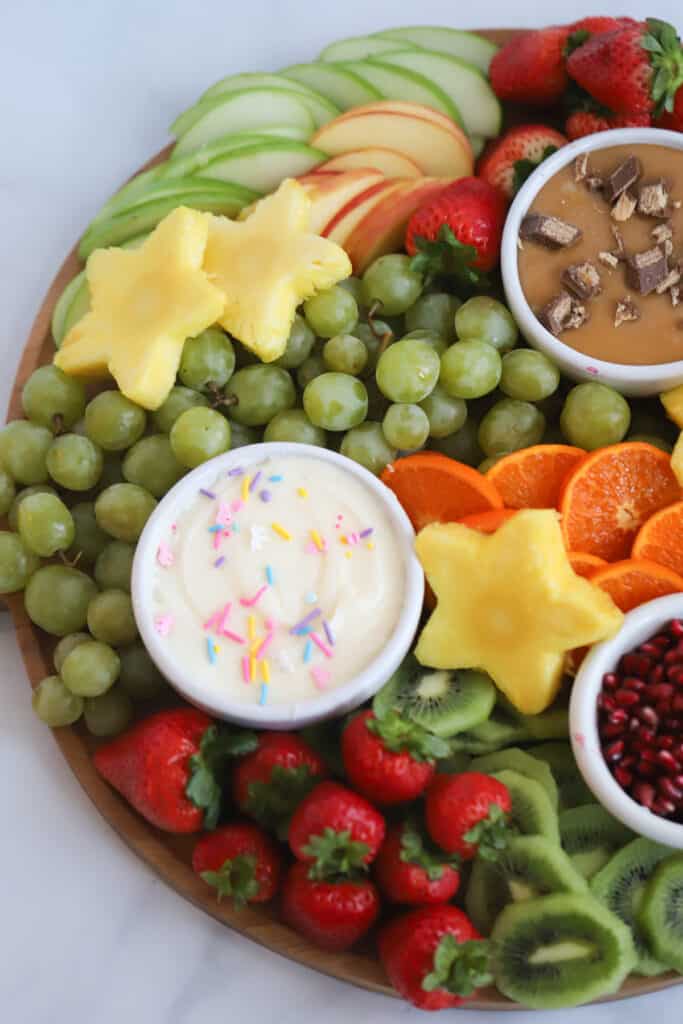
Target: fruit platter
{"type": "Point", "coordinates": [343, 476]}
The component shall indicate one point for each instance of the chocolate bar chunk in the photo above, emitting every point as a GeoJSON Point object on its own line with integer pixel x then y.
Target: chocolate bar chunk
{"type": "Point", "coordinates": [610, 259]}
{"type": "Point", "coordinates": [581, 167]}
{"type": "Point", "coordinates": [626, 311]}
{"type": "Point", "coordinates": [625, 207]}
{"type": "Point", "coordinates": [583, 279]}
{"type": "Point", "coordinates": [551, 232]}
{"type": "Point", "coordinates": [595, 184]}
{"type": "Point", "coordinates": [671, 279]}
{"type": "Point", "coordinates": [555, 315]}
{"type": "Point", "coordinates": [619, 239]}
{"type": "Point", "coordinates": [675, 294]}
{"type": "Point", "coordinates": [653, 198]}
{"type": "Point", "coordinates": [577, 316]}
{"type": "Point", "coordinates": [646, 270]}
{"type": "Point", "coordinates": [622, 177]}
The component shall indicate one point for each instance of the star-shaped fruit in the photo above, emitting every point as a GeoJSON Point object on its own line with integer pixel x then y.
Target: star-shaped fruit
{"type": "Point", "coordinates": [269, 264]}
{"type": "Point", "coordinates": [509, 604]}
{"type": "Point", "coordinates": [144, 304]}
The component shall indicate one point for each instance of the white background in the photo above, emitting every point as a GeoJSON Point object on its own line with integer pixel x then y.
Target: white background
{"type": "Point", "coordinates": [87, 934]}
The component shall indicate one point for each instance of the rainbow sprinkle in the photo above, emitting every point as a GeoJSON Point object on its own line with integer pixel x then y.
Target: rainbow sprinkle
{"type": "Point", "coordinates": [254, 481]}
{"type": "Point", "coordinates": [328, 632]}
{"type": "Point", "coordinates": [235, 637]}
{"type": "Point", "coordinates": [264, 645]}
{"type": "Point", "coordinates": [246, 670]}
{"type": "Point", "coordinates": [321, 676]}
{"type": "Point", "coordinates": [263, 696]}
{"type": "Point", "coordinates": [251, 627]}
{"type": "Point", "coordinates": [300, 626]}
{"type": "Point", "coordinates": [265, 670]}
{"type": "Point", "coordinates": [165, 556]}
{"type": "Point", "coordinates": [366, 533]}
{"type": "Point", "coordinates": [211, 650]}
{"type": "Point", "coordinates": [302, 492]}
{"type": "Point", "coordinates": [308, 652]}
{"type": "Point", "coordinates": [317, 540]}
{"type": "Point", "coordinates": [164, 624]}
{"type": "Point", "coordinates": [252, 667]}
{"type": "Point", "coordinates": [217, 528]}
{"type": "Point", "coordinates": [280, 531]}
{"type": "Point", "coordinates": [276, 478]}
{"type": "Point", "coordinates": [246, 485]}
{"type": "Point", "coordinates": [370, 545]}
{"type": "Point", "coordinates": [249, 602]}
{"type": "Point", "coordinates": [270, 575]}
{"type": "Point", "coordinates": [207, 494]}
{"type": "Point", "coordinates": [237, 471]}
{"type": "Point", "coordinates": [321, 645]}
{"type": "Point", "coordinates": [219, 562]}
{"type": "Point", "coordinates": [265, 496]}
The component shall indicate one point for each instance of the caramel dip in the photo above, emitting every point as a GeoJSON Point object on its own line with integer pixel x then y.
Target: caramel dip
{"type": "Point", "coordinates": [601, 255]}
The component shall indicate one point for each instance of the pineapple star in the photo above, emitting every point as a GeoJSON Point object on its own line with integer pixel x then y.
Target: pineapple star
{"type": "Point", "coordinates": [267, 265]}
{"type": "Point", "coordinates": [510, 605]}
{"type": "Point", "coordinates": [144, 304]}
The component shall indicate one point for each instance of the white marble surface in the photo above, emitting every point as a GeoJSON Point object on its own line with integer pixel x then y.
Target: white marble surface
{"type": "Point", "coordinates": [88, 934]}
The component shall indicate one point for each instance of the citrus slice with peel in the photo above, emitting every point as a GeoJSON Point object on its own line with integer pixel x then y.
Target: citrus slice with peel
{"type": "Point", "coordinates": [585, 565]}
{"type": "Point", "coordinates": [488, 522]}
{"type": "Point", "coordinates": [533, 477]}
{"type": "Point", "coordinates": [634, 581]}
{"type": "Point", "coordinates": [660, 539]}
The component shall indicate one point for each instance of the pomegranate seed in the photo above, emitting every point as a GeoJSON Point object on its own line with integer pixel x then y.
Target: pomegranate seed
{"type": "Point", "coordinates": [633, 683]}
{"type": "Point", "coordinates": [644, 793]}
{"type": "Point", "coordinates": [673, 725]}
{"type": "Point", "coordinates": [659, 692]}
{"type": "Point", "coordinates": [623, 776]}
{"type": "Point", "coordinates": [618, 717]}
{"type": "Point", "coordinates": [674, 673]}
{"type": "Point", "coordinates": [635, 664]}
{"type": "Point", "coordinates": [678, 781]}
{"type": "Point", "coordinates": [665, 742]}
{"type": "Point", "coordinates": [678, 752]}
{"type": "Point", "coordinates": [667, 788]}
{"type": "Point", "coordinates": [677, 702]}
{"type": "Point", "coordinates": [634, 725]}
{"type": "Point", "coordinates": [649, 755]}
{"type": "Point", "coordinates": [666, 759]}
{"type": "Point", "coordinates": [664, 808]}
{"type": "Point", "coordinates": [651, 649]}
{"type": "Point", "coordinates": [610, 732]}
{"type": "Point", "coordinates": [648, 716]}
{"type": "Point", "coordinates": [645, 769]}
{"type": "Point", "coordinates": [626, 698]}
{"type": "Point", "coordinates": [656, 675]}
{"type": "Point", "coordinates": [610, 680]}
{"type": "Point", "coordinates": [672, 657]}
{"type": "Point", "coordinates": [646, 736]}
{"type": "Point", "coordinates": [614, 751]}
{"type": "Point", "coordinates": [676, 627]}
{"type": "Point", "coordinates": [629, 761]}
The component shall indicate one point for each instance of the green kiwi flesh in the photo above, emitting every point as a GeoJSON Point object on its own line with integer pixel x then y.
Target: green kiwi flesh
{"type": "Point", "coordinates": [522, 762]}
{"type": "Point", "coordinates": [497, 732]}
{"type": "Point", "coordinates": [661, 912]}
{"type": "Point", "coordinates": [532, 812]}
{"type": "Point", "coordinates": [591, 836]}
{"type": "Point", "coordinates": [573, 791]}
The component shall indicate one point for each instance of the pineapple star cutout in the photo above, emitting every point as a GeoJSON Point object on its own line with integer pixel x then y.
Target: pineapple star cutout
{"type": "Point", "coordinates": [144, 304]}
{"type": "Point", "coordinates": [510, 605]}
{"type": "Point", "coordinates": [269, 263]}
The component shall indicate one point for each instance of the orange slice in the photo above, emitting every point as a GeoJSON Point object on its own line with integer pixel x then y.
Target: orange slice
{"type": "Point", "coordinates": [533, 477]}
{"type": "Point", "coordinates": [634, 581]}
{"type": "Point", "coordinates": [660, 539]}
{"type": "Point", "coordinates": [488, 522]}
{"type": "Point", "coordinates": [585, 565]}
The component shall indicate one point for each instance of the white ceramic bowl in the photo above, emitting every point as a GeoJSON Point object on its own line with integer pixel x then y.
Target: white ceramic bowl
{"type": "Point", "coordinates": [275, 716]}
{"type": "Point", "coordinates": [630, 380]}
{"type": "Point", "coordinates": [638, 626]}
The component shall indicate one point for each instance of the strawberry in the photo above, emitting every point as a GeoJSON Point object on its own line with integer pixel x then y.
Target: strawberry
{"type": "Point", "coordinates": [434, 957]}
{"type": "Point", "coordinates": [673, 120]}
{"type": "Point", "coordinates": [332, 914]}
{"type": "Point", "coordinates": [335, 831]}
{"type": "Point", "coordinates": [240, 861]}
{"type": "Point", "coordinates": [587, 122]}
{"type": "Point", "coordinates": [633, 70]}
{"type": "Point", "coordinates": [512, 158]}
{"type": "Point", "coordinates": [409, 870]}
{"type": "Point", "coordinates": [169, 767]}
{"type": "Point", "coordinates": [468, 813]}
{"type": "Point", "coordinates": [458, 231]}
{"type": "Point", "coordinates": [269, 783]}
{"type": "Point", "coordinates": [530, 68]}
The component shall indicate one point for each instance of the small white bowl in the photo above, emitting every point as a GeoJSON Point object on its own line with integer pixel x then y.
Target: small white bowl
{"type": "Point", "coordinates": [299, 713]}
{"type": "Point", "coordinates": [638, 626]}
{"type": "Point", "coordinates": [630, 380]}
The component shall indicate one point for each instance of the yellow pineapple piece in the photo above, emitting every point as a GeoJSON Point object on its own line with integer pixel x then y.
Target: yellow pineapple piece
{"type": "Point", "coordinates": [673, 403]}
{"type": "Point", "coordinates": [144, 304]}
{"type": "Point", "coordinates": [267, 265]}
{"type": "Point", "coordinates": [677, 459]}
{"type": "Point", "coordinates": [509, 604]}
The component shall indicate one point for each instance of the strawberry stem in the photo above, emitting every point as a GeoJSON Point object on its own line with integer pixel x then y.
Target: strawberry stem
{"type": "Point", "coordinates": [235, 878]}
{"type": "Point", "coordinates": [490, 835]}
{"type": "Point", "coordinates": [459, 967]}
{"type": "Point", "coordinates": [335, 854]}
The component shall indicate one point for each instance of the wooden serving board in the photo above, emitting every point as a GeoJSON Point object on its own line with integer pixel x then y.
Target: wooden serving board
{"type": "Point", "coordinates": [170, 856]}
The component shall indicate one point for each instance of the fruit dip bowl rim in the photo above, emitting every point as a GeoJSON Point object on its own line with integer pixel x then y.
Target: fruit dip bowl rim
{"type": "Point", "coordinates": [629, 379]}
{"type": "Point", "coordinates": [343, 698]}
{"type": "Point", "coordinates": [637, 627]}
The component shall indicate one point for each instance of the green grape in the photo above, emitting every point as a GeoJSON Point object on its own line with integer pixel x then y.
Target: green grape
{"type": "Point", "coordinates": [79, 427]}
{"type": "Point", "coordinates": [208, 361]}
{"type": "Point", "coordinates": [109, 714]}
{"type": "Point", "coordinates": [90, 669]}
{"type": "Point", "coordinates": [150, 463]}
{"type": "Point", "coordinates": [488, 320]}
{"type": "Point", "coordinates": [510, 425]}
{"type": "Point", "coordinates": [8, 492]}
{"type": "Point", "coordinates": [310, 369]}
{"type": "Point", "coordinates": [299, 345]}
{"type": "Point", "coordinates": [434, 312]}
{"type": "Point", "coordinates": [445, 414]}
{"type": "Point", "coordinates": [13, 516]}
{"type": "Point", "coordinates": [114, 422]}
{"type": "Point", "coordinates": [405, 426]}
{"type": "Point", "coordinates": [54, 704]}
{"type": "Point", "coordinates": [89, 540]}
{"type": "Point", "coordinates": [376, 337]}
{"type": "Point", "coordinates": [65, 646]}
{"type": "Point", "coordinates": [17, 563]}
{"type": "Point", "coordinates": [470, 369]}
{"type": "Point", "coordinates": [334, 311]}
{"type": "Point", "coordinates": [140, 678]}
{"type": "Point", "coordinates": [45, 524]}
{"type": "Point", "coordinates": [114, 566]}
{"type": "Point", "coordinates": [345, 354]}
{"type": "Point", "coordinates": [463, 445]}
{"type": "Point", "coordinates": [74, 462]}
{"type": "Point", "coordinates": [367, 445]}
{"type": "Point", "coordinates": [112, 470]}
{"type": "Point", "coordinates": [179, 401]}
{"type": "Point", "coordinates": [294, 425]}
{"type": "Point", "coordinates": [240, 436]}
{"type": "Point", "coordinates": [198, 435]}
{"type": "Point", "coordinates": [57, 599]}
{"type": "Point", "coordinates": [429, 337]}
{"type": "Point", "coordinates": [656, 442]}
{"type": "Point", "coordinates": [52, 399]}
{"type": "Point", "coordinates": [111, 619]}
{"type": "Point", "coordinates": [528, 375]}
{"type": "Point", "coordinates": [489, 462]}
{"type": "Point", "coordinates": [261, 393]}
{"type": "Point", "coordinates": [408, 371]}
{"type": "Point", "coordinates": [594, 416]}
{"type": "Point", "coordinates": [355, 286]}
{"type": "Point", "coordinates": [122, 511]}
{"type": "Point", "coordinates": [390, 282]}
{"type": "Point", "coordinates": [23, 451]}
{"type": "Point", "coordinates": [335, 401]}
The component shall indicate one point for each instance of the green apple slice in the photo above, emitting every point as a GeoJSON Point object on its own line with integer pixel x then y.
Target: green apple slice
{"type": "Point", "coordinates": [358, 48]}
{"type": "Point", "coordinates": [465, 84]}
{"type": "Point", "coordinates": [134, 188]}
{"type": "Point", "coordinates": [467, 45]}
{"type": "Point", "coordinates": [477, 142]}
{"type": "Point", "coordinates": [342, 87]}
{"type": "Point", "coordinates": [62, 306]}
{"type": "Point", "coordinates": [399, 83]}
{"type": "Point", "coordinates": [198, 159]}
{"type": "Point", "coordinates": [246, 111]}
{"type": "Point", "coordinates": [320, 107]}
{"type": "Point", "coordinates": [261, 167]}
{"type": "Point", "coordinates": [252, 80]}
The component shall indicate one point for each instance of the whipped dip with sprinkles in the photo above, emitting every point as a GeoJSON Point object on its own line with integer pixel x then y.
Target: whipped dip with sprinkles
{"type": "Point", "coordinates": [282, 580]}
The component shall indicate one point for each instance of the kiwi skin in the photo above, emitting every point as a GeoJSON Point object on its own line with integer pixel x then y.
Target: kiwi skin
{"type": "Point", "coordinates": [591, 836]}
{"type": "Point", "coordinates": [519, 761]}
{"type": "Point", "coordinates": [532, 812]}
{"type": "Point", "coordinates": [661, 912]}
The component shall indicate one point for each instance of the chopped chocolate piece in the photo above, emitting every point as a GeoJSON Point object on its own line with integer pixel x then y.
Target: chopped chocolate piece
{"type": "Point", "coordinates": [583, 279]}
{"type": "Point", "coordinates": [622, 177]}
{"type": "Point", "coordinates": [619, 239]}
{"type": "Point", "coordinates": [675, 294]}
{"type": "Point", "coordinates": [577, 316]}
{"type": "Point", "coordinates": [581, 167]}
{"type": "Point", "coordinates": [551, 232]}
{"type": "Point", "coordinates": [645, 270]}
{"type": "Point", "coordinates": [663, 232]}
{"type": "Point", "coordinates": [653, 198]}
{"type": "Point", "coordinates": [554, 316]}
{"type": "Point", "coordinates": [671, 279]}
{"type": "Point", "coordinates": [610, 259]}
{"type": "Point", "coordinates": [595, 184]}
{"type": "Point", "coordinates": [626, 311]}
{"type": "Point", "coordinates": [625, 206]}
{"type": "Point", "coordinates": [667, 247]}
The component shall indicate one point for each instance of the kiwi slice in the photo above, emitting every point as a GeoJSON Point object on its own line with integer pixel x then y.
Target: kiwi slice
{"type": "Point", "coordinates": [661, 913]}
{"type": "Point", "coordinates": [560, 950]}
{"type": "Point", "coordinates": [519, 761]}
{"type": "Point", "coordinates": [529, 867]}
{"type": "Point", "coordinates": [496, 732]}
{"type": "Point", "coordinates": [532, 812]}
{"type": "Point", "coordinates": [573, 790]}
{"type": "Point", "coordinates": [621, 886]}
{"type": "Point", "coordinates": [591, 836]}
{"type": "Point", "coordinates": [552, 724]}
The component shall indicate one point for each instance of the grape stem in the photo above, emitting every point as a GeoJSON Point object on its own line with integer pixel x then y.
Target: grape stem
{"type": "Point", "coordinates": [385, 337]}
{"type": "Point", "coordinates": [218, 397]}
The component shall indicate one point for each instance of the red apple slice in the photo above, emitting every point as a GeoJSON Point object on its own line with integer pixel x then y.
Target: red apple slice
{"type": "Point", "coordinates": [331, 192]}
{"type": "Point", "coordinates": [391, 163]}
{"type": "Point", "coordinates": [341, 226]}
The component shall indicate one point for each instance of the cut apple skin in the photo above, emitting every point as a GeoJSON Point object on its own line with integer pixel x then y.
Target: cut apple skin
{"type": "Point", "coordinates": [389, 162]}
{"type": "Point", "coordinates": [331, 192]}
{"type": "Point", "coordinates": [341, 227]}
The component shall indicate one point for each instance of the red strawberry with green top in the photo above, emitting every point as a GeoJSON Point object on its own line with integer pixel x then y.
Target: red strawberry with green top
{"type": "Point", "coordinates": [239, 861]}
{"type": "Point", "coordinates": [633, 70]}
{"type": "Point", "coordinates": [586, 122]}
{"type": "Point", "coordinates": [530, 69]}
{"type": "Point", "coordinates": [468, 814]}
{"type": "Point", "coordinates": [335, 831]}
{"type": "Point", "coordinates": [409, 870]}
{"type": "Point", "coordinates": [673, 120]}
{"type": "Point", "coordinates": [332, 914]}
{"type": "Point", "coordinates": [434, 957]}
{"type": "Point", "coordinates": [511, 159]}
{"type": "Point", "coordinates": [170, 767]}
